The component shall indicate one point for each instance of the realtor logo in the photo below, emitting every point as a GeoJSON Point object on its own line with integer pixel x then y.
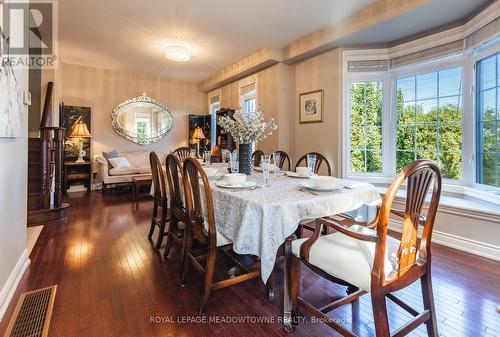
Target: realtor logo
{"type": "Point", "coordinates": [30, 33]}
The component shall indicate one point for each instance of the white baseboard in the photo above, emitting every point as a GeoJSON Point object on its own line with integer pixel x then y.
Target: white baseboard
{"type": "Point", "coordinates": [457, 242]}
{"type": "Point", "coordinates": [10, 286]}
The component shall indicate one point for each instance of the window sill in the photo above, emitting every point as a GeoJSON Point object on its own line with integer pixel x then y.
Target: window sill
{"type": "Point", "coordinates": [453, 197]}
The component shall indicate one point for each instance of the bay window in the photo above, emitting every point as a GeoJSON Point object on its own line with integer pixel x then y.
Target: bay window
{"type": "Point", "coordinates": [446, 109]}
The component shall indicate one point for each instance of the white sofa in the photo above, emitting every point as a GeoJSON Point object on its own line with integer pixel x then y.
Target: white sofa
{"type": "Point", "coordinates": [139, 160]}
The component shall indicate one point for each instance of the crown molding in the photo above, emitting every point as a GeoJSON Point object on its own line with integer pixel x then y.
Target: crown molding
{"type": "Point", "coordinates": [250, 64]}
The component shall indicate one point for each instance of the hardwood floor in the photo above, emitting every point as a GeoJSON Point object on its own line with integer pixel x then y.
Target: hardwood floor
{"type": "Point", "coordinates": [111, 282]}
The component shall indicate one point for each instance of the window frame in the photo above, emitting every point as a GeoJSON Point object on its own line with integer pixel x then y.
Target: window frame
{"type": "Point", "coordinates": [248, 96]}
{"type": "Point", "coordinates": [450, 62]}
{"type": "Point", "coordinates": [213, 115]}
{"type": "Point", "coordinates": [482, 189]}
{"type": "Point", "coordinates": [389, 84]}
{"type": "Point", "coordinates": [366, 77]}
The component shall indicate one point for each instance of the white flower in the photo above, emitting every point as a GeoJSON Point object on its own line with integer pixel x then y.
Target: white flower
{"type": "Point", "coordinates": [248, 128]}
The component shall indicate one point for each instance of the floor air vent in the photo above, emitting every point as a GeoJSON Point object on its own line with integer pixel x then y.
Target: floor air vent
{"type": "Point", "coordinates": [32, 315]}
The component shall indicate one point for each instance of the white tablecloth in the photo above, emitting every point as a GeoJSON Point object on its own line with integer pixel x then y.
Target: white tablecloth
{"type": "Point", "coordinates": [259, 221]}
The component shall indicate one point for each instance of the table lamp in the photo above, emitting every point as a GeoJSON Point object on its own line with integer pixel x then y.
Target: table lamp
{"type": "Point", "coordinates": [80, 131]}
{"type": "Point", "coordinates": [198, 135]}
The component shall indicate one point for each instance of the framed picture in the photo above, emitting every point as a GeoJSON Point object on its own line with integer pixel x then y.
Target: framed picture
{"type": "Point", "coordinates": [71, 114]}
{"type": "Point", "coordinates": [311, 107]}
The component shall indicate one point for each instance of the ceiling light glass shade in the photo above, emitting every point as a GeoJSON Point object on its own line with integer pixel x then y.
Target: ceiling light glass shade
{"type": "Point", "coordinates": [178, 53]}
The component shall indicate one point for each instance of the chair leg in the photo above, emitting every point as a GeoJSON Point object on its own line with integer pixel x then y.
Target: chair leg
{"type": "Point", "coordinates": [187, 246]}
{"type": "Point", "coordinates": [428, 298]}
{"type": "Point", "coordinates": [171, 232]}
{"type": "Point", "coordinates": [380, 315]}
{"type": "Point", "coordinates": [161, 232]}
{"type": "Point", "coordinates": [152, 228]}
{"type": "Point", "coordinates": [209, 275]}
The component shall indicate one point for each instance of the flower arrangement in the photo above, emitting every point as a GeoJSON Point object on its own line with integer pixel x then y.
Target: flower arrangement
{"type": "Point", "coordinates": [248, 128]}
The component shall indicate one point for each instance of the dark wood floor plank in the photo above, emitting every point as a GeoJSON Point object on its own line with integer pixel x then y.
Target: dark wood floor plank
{"type": "Point", "coordinates": [111, 281]}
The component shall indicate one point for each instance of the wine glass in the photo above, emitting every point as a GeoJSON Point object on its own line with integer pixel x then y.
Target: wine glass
{"type": "Point", "coordinates": [207, 157]}
{"type": "Point", "coordinates": [234, 162]}
{"type": "Point", "coordinates": [266, 166]}
{"type": "Point", "coordinates": [224, 157]}
{"type": "Point", "coordinates": [277, 160]}
{"type": "Point", "coordinates": [311, 163]}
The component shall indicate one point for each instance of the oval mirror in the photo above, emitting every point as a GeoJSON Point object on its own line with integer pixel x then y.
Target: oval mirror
{"type": "Point", "coordinates": [142, 120]}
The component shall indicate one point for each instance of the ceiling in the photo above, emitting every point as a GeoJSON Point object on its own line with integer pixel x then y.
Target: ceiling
{"type": "Point", "coordinates": [435, 14]}
{"type": "Point", "coordinates": [130, 35]}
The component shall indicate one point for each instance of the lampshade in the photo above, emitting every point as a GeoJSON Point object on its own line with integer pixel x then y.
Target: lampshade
{"type": "Point", "coordinates": [198, 133]}
{"type": "Point", "coordinates": [80, 129]}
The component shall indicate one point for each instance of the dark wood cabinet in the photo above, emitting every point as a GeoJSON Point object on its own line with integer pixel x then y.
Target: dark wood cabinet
{"type": "Point", "coordinates": [223, 140]}
{"type": "Point", "coordinates": [217, 139]}
{"type": "Point", "coordinates": [77, 173]}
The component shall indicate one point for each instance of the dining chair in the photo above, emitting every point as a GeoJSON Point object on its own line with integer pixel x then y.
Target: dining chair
{"type": "Point", "coordinates": [203, 232]}
{"type": "Point", "coordinates": [178, 216]}
{"type": "Point", "coordinates": [284, 159]}
{"type": "Point", "coordinates": [320, 159]}
{"type": "Point", "coordinates": [368, 259]}
{"type": "Point", "coordinates": [160, 205]}
{"type": "Point", "coordinates": [257, 157]}
{"type": "Point", "coordinates": [182, 152]}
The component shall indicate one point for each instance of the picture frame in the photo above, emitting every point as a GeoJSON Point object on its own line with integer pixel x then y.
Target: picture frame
{"type": "Point", "coordinates": [71, 114]}
{"type": "Point", "coordinates": [311, 107]}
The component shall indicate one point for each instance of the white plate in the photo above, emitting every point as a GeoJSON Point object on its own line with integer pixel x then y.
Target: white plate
{"type": "Point", "coordinates": [259, 169]}
{"type": "Point", "coordinates": [218, 176]}
{"type": "Point", "coordinates": [309, 186]}
{"type": "Point", "coordinates": [247, 184]}
{"type": "Point", "coordinates": [295, 175]}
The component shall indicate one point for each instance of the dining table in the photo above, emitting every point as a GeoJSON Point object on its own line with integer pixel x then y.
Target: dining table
{"type": "Point", "coordinates": [259, 219]}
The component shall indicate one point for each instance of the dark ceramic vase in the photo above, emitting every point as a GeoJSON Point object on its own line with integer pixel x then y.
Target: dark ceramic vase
{"type": "Point", "coordinates": [245, 155]}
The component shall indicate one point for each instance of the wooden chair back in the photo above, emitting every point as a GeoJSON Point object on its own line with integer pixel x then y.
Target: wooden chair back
{"type": "Point", "coordinates": [414, 254]}
{"type": "Point", "coordinates": [320, 160]}
{"type": "Point", "coordinates": [182, 153]}
{"type": "Point", "coordinates": [192, 175]}
{"type": "Point", "coordinates": [257, 157]}
{"type": "Point", "coordinates": [174, 170]}
{"type": "Point", "coordinates": [284, 158]}
{"type": "Point", "coordinates": [158, 177]}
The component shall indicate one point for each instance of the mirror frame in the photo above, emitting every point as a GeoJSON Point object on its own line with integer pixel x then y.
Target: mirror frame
{"type": "Point", "coordinates": [123, 133]}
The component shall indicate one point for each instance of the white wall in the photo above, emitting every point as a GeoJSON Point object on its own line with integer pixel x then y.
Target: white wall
{"type": "Point", "coordinates": [102, 90]}
{"type": "Point", "coordinates": [13, 200]}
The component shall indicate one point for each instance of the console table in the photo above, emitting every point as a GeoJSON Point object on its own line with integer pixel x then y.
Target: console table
{"type": "Point", "coordinates": [77, 173]}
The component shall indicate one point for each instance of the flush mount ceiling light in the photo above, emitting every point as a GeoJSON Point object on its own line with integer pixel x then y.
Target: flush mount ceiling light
{"type": "Point", "coordinates": [177, 52]}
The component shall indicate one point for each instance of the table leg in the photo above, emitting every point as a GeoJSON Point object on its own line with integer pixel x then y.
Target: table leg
{"type": "Point", "coordinates": [287, 304]}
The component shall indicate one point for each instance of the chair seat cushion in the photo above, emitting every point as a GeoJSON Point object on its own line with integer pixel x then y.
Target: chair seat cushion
{"type": "Point", "coordinates": [347, 258]}
{"type": "Point", "coordinates": [123, 171]}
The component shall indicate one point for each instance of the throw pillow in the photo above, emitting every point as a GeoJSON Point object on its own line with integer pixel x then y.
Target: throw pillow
{"type": "Point", "coordinates": [109, 155]}
{"type": "Point", "coordinates": [120, 162]}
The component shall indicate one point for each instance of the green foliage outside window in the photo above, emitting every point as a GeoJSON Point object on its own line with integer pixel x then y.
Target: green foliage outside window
{"type": "Point", "coordinates": [428, 122]}
{"type": "Point", "coordinates": [366, 127]}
